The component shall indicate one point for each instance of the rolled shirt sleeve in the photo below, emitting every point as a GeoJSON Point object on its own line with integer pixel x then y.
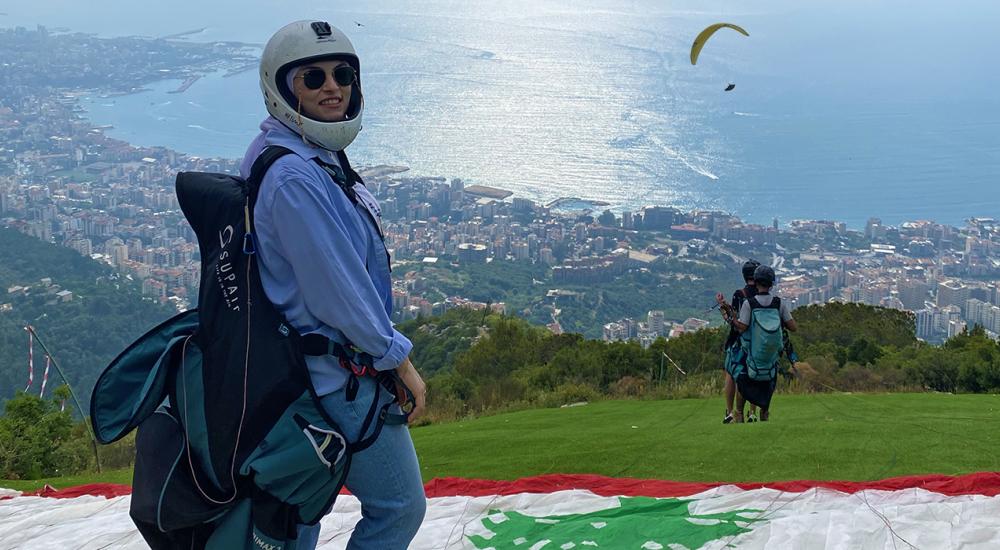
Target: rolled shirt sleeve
{"type": "Point", "coordinates": [398, 351]}
{"type": "Point", "coordinates": [786, 313]}
{"type": "Point", "coordinates": [331, 273]}
{"type": "Point", "coordinates": [745, 312]}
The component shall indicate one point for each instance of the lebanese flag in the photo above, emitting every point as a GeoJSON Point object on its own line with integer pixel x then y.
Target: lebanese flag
{"type": "Point", "coordinates": [584, 511]}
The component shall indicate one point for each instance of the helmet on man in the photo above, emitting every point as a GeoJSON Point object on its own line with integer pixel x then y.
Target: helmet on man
{"type": "Point", "coordinates": [764, 276]}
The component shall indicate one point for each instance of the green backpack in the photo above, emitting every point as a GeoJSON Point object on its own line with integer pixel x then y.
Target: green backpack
{"type": "Point", "coordinates": [763, 340]}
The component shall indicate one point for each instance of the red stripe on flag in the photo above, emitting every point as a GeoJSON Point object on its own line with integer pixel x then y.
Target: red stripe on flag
{"type": "Point", "coordinates": [107, 490]}
{"type": "Point", "coordinates": [982, 483]}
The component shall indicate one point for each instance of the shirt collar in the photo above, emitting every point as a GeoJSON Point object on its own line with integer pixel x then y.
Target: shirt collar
{"type": "Point", "coordinates": [277, 133]}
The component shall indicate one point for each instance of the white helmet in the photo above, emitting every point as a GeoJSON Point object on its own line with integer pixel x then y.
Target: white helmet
{"type": "Point", "coordinates": [301, 42]}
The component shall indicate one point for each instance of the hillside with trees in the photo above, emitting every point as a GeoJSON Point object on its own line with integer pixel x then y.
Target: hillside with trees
{"type": "Point", "coordinates": [85, 312]}
{"type": "Point", "coordinates": [842, 347]}
{"type": "Point", "coordinates": [479, 364]}
{"type": "Point", "coordinates": [681, 288]}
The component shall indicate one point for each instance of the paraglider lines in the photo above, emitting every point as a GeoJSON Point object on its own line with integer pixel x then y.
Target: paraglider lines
{"type": "Point", "coordinates": [705, 35]}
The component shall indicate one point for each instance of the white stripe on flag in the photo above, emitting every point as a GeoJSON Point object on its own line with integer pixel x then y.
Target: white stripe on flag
{"type": "Point", "coordinates": [765, 518]}
{"type": "Point", "coordinates": [45, 377]}
{"type": "Point", "coordinates": [31, 359]}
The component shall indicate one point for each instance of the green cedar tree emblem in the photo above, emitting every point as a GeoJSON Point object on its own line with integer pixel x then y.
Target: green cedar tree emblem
{"type": "Point", "coordinates": [639, 523]}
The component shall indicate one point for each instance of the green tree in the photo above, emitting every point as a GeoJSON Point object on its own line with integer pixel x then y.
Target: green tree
{"type": "Point", "coordinates": [33, 433]}
{"type": "Point", "coordinates": [863, 352]}
{"type": "Point", "coordinates": [106, 313]}
{"type": "Point", "coordinates": [842, 324]}
{"type": "Point", "coordinates": [824, 349]}
{"type": "Point", "coordinates": [977, 358]}
{"type": "Point", "coordinates": [936, 369]}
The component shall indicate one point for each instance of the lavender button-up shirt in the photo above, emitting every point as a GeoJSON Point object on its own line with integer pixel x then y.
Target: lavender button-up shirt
{"type": "Point", "coordinates": [322, 260]}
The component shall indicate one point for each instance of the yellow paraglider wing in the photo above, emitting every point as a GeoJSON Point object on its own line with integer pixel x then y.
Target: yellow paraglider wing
{"type": "Point", "coordinates": [704, 35]}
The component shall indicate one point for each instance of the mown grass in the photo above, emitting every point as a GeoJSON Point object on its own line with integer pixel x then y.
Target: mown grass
{"type": "Point", "coordinates": [122, 476]}
{"type": "Point", "coordinates": [819, 436]}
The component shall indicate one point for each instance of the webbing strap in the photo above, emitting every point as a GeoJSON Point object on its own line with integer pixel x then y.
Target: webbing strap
{"type": "Point", "coordinates": [260, 167]}
{"type": "Point", "coordinates": [384, 418]}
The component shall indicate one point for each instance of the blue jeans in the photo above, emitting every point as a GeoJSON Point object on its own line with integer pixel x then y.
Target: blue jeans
{"type": "Point", "coordinates": [384, 477]}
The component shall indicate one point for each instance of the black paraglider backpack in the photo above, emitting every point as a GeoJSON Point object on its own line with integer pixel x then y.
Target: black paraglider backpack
{"type": "Point", "coordinates": [233, 448]}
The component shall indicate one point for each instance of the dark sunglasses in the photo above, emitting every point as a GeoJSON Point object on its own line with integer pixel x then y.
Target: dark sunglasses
{"type": "Point", "coordinates": [314, 79]}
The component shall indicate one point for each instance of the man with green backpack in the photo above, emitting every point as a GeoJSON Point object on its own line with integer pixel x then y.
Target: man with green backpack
{"type": "Point", "coordinates": [761, 322]}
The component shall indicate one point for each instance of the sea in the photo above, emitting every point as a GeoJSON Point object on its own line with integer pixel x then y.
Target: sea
{"type": "Point", "coordinates": [842, 109]}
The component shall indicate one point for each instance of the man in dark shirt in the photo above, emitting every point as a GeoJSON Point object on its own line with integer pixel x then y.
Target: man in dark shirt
{"type": "Point", "coordinates": [730, 315]}
{"type": "Point", "coordinates": [759, 392]}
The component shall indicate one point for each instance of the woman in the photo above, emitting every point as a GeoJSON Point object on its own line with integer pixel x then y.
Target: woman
{"type": "Point", "coordinates": [324, 265]}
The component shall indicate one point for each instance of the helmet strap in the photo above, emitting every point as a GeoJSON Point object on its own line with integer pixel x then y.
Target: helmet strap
{"type": "Point", "coordinates": [298, 122]}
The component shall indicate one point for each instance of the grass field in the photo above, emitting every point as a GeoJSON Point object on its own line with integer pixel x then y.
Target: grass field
{"type": "Point", "coordinates": [123, 476]}
{"type": "Point", "coordinates": [829, 436]}
{"type": "Point", "coordinates": [826, 436]}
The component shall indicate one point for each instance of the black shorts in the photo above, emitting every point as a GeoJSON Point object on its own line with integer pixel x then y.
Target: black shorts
{"type": "Point", "coordinates": [755, 391]}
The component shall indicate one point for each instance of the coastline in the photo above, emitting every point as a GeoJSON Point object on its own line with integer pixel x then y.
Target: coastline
{"type": "Point", "coordinates": [183, 34]}
{"type": "Point", "coordinates": [237, 66]}
{"type": "Point", "coordinates": [188, 82]}
{"type": "Point", "coordinates": [585, 206]}
{"type": "Point", "coordinates": [565, 203]}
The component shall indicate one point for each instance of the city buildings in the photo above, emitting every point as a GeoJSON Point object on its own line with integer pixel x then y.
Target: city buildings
{"type": "Point", "coordinates": [62, 180]}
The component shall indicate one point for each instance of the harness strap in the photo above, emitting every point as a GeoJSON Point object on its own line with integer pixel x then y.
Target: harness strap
{"type": "Point", "coordinates": [318, 345]}
{"type": "Point", "coordinates": [384, 417]}
{"type": "Point", "coordinates": [340, 178]}
{"type": "Point", "coordinates": [259, 169]}
{"type": "Point", "coordinates": [352, 388]}
{"type": "Point", "coordinates": [754, 304]}
{"type": "Point", "coordinates": [358, 365]}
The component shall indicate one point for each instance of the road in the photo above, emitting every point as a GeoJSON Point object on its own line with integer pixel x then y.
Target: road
{"type": "Point", "coordinates": [777, 261]}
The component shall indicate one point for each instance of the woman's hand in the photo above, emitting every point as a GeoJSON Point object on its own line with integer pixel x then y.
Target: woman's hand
{"type": "Point", "coordinates": [411, 378]}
